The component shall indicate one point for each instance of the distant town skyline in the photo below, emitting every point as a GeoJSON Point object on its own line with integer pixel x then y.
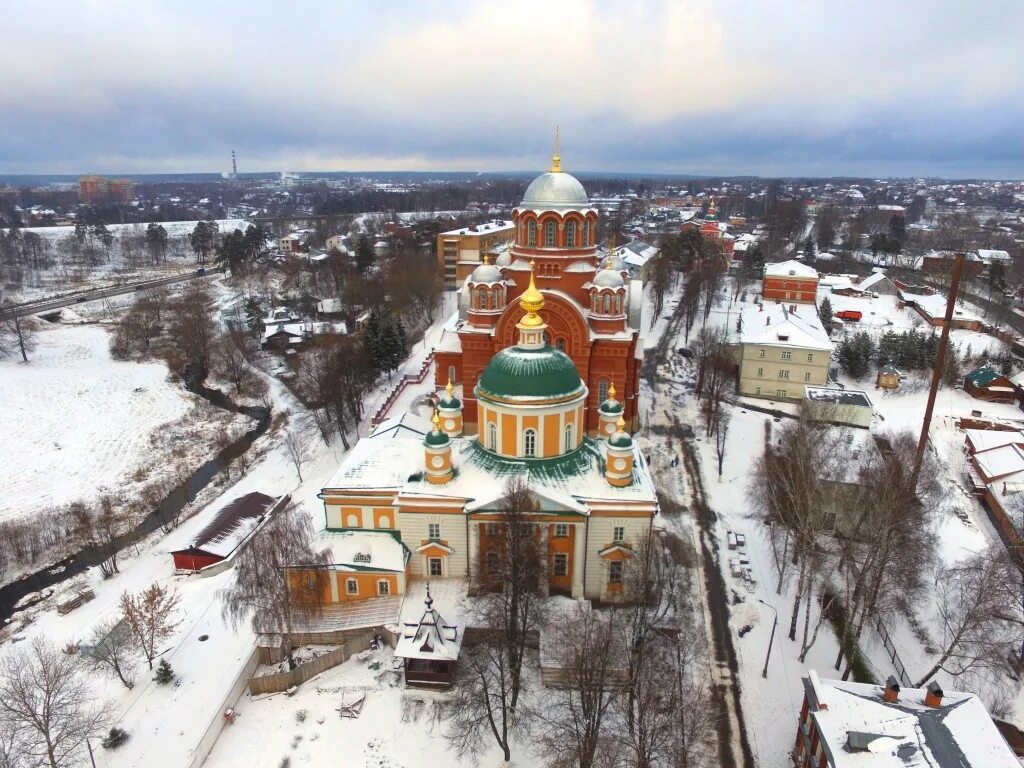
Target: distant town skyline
{"type": "Point", "coordinates": [869, 89]}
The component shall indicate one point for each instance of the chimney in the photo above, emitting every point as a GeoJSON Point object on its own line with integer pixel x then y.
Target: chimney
{"type": "Point", "coordinates": [891, 694]}
{"type": "Point", "coordinates": [933, 695]}
{"type": "Point", "coordinates": [1004, 489]}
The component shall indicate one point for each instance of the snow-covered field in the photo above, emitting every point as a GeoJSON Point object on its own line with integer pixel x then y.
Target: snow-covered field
{"type": "Point", "coordinates": [78, 423]}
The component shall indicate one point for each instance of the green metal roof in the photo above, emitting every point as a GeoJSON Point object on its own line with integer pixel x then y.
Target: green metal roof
{"type": "Point", "coordinates": [574, 463]}
{"type": "Point", "coordinates": [436, 438]}
{"type": "Point", "coordinates": [983, 376]}
{"type": "Point", "coordinates": [620, 440]}
{"type": "Point", "coordinates": [611, 406]}
{"type": "Point", "coordinates": [518, 373]}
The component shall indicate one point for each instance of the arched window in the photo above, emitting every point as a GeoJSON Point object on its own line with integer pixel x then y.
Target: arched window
{"type": "Point", "coordinates": [607, 304]}
{"type": "Point", "coordinates": [602, 390]}
{"type": "Point", "coordinates": [570, 235]}
{"type": "Point", "coordinates": [586, 233]}
{"type": "Point", "coordinates": [560, 343]}
{"type": "Point", "coordinates": [529, 443]}
{"type": "Point", "coordinates": [570, 437]}
{"type": "Point", "coordinates": [451, 373]}
{"type": "Point", "coordinates": [494, 298]}
{"type": "Point", "coordinates": [481, 300]}
{"type": "Point", "coordinates": [618, 305]}
{"type": "Point", "coordinates": [549, 235]}
{"type": "Point", "coordinates": [492, 436]}
{"type": "Point", "coordinates": [531, 233]}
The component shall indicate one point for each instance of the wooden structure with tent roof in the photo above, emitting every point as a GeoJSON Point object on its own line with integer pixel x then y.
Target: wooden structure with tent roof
{"type": "Point", "coordinates": [429, 649]}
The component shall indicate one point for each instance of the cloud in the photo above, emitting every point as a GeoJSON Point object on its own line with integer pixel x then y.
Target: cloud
{"type": "Point", "coordinates": [732, 87]}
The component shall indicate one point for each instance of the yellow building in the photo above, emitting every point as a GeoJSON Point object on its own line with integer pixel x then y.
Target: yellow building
{"type": "Point", "coordinates": [444, 493]}
{"type": "Point", "coordinates": [783, 349]}
{"type": "Point", "coordinates": [460, 251]}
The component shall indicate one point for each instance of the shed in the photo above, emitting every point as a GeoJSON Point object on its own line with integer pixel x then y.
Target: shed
{"type": "Point", "coordinates": [986, 383]}
{"type": "Point", "coordinates": [429, 649]}
{"type": "Point", "coordinates": [838, 406]}
{"type": "Point", "coordinates": [889, 377]}
{"type": "Point", "coordinates": [226, 534]}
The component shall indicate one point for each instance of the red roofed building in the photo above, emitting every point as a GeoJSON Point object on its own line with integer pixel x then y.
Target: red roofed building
{"type": "Point", "coordinates": [228, 532]}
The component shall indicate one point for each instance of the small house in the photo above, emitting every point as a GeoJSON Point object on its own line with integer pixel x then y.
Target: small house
{"type": "Point", "coordinates": [290, 244]}
{"type": "Point", "coordinates": [889, 377]}
{"type": "Point", "coordinates": [850, 407]}
{"type": "Point", "coordinates": [986, 383]}
{"type": "Point", "coordinates": [429, 649]}
{"type": "Point", "coordinates": [228, 532]}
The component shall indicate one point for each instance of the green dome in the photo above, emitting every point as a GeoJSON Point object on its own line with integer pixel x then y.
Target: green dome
{"type": "Point", "coordinates": [620, 440]}
{"type": "Point", "coordinates": [526, 374]}
{"type": "Point", "coordinates": [436, 438]}
{"type": "Point", "coordinates": [611, 406]}
{"type": "Point", "coordinates": [449, 403]}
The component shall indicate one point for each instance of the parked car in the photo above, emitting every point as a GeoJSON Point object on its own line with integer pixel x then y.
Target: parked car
{"type": "Point", "coordinates": [741, 540]}
{"type": "Point", "coordinates": [732, 540]}
{"type": "Point", "coordinates": [200, 272]}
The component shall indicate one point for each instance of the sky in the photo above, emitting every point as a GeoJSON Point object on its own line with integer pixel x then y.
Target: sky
{"type": "Point", "coordinates": [731, 87]}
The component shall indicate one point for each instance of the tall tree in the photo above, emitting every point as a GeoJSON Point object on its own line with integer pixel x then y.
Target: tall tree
{"type": "Point", "coordinates": [151, 617]}
{"type": "Point", "coordinates": [825, 314]}
{"type": "Point", "coordinates": [16, 333]}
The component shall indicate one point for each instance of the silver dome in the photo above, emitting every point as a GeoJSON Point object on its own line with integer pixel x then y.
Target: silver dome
{"type": "Point", "coordinates": [554, 191]}
{"type": "Point", "coordinates": [486, 273]}
{"type": "Point", "coordinates": [608, 278]}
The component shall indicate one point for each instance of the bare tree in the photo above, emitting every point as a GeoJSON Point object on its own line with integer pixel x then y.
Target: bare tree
{"type": "Point", "coordinates": [707, 345]}
{"type": "Point", "coordinates": [151, 618]}
{"type": "Point", "coordinates": [978, 615]}
{"type": "Point", "coordinates": [109, 524]}
{"type": "Point", "coordinates": [279, 578]}
{"type": "Point", "coordinates": [16, 333]}
{"type": "Point", "coordinates": [296, 445]}
{"type": "Point", "coordinates": [230, 361]}
{"type": "Point", "coordinates": [47, 704]}
{"type": "Point", "coordinates": [110, 646]}
{"type": "Point", "coordinates": [568, 723]}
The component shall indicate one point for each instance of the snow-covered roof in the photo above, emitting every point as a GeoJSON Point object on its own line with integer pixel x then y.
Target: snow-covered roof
{"type": "Point", "coordinates": [430, 638]}
{"type": "Point", "coordinates": [232, 525]}
{"type": "Point", "coordinates": [859, 729]}
{"type": "Point", "coordinates": [870, 280]}
{"type": "Point", "coordinates": [1000, 462]}
{"type": "Point", "coordinates": [397, 426]}
{"type": "Point", "coordinates": [776, 325]}
{"type": "Point", "coordinates": [791, 268]}
{"type": "Point", "coordinates": [934, 305]}
{"type": "Point", "coordinates": [330, 306]}
{"type": "Point", "coordinates": [363, 550]}
{"type": "Point", "coordinates": [488, 228]}
{"type": "Point", "coordinates": [987, 439]}
{"type": "Point", "coordinates": [989, 255]}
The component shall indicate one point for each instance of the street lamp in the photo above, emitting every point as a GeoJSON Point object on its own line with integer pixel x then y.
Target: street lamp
{"type": "Point", "coordinates": [775, 623]}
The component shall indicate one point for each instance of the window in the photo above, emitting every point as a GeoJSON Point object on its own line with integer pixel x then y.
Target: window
{"type": "Point", "coordinates": [615, 572]}
{"type": "Point", "coordinates": [783, 373]}
{"type": "Point", "coordinates": [607, 304]}
{"type": "Point", "coordinates": [810, 358]}
{"type": "Point", "coordinates": [351, 587]}
{"type": "Point", "coordinates": [560, 343]}
{"type": "Point", "coordinates": [383, 588]}
{"type": "Point", "coordinates": [434, 566]}
{"type": "Point", "coordinates": [492, 529]}
{"type": "Point", "coordinates": [352, 521]}
{"type": "Point", "coordinates": [760, 372]}
{"type": "Point", "coordinates": [570, 235]}
{"type": "Point", "coordinates": [602, 390]}
{"type": "Point", "coordinates": [384, 522]}
{"type": "Point", "coordinates": [529, 443]}
{"type": "Point", "coordinates": [787, 355]}
{"type": "Point", "coordinates": [451, 373]}
{"type": "Point", "coordinates": [531, 233]}
{"type": "Point", "coordinates": [494, 298]}
{"type": "Point", "coordinates": [807, 377]}
{"type": "Point", "coordinates": [618, 534]}
{"type": "Point", "coordinates": [492, 436]}
{"type": "Point", "coordinates": [561, 530]}
{"type": "Point", "coordinates": [549, 235]}
{"type": "Point", "coordinates": [780, 393]}
{"type": "Point", "coordinates": [491, 561]}
{"type": "Point", "coordinates": [570, 437]}
{"type": "Point", "coordinates": [761, 353]}
{"type": "Point", "coordinates": [586, 234]}
{"type": "Point", "coordinates": [757, 391]}
{"type": "Point", "coordinates": [434, 531]}
{"type": "Point", "coordinates": [560, 567]}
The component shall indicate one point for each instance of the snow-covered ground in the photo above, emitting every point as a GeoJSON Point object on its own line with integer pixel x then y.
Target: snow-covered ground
{"type": "Point", "coordinates": [78, 423]}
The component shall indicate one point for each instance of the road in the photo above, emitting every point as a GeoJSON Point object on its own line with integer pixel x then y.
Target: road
{"type": "Point", "coordinates": [48, 305]}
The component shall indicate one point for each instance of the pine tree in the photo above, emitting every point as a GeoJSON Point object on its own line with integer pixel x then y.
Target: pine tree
{"type": "Point", "coordinates": [254, 316]}
{"type": "Point", "coordinates": [825, 314]}
{"type": "Point", "coordinates": [164, 674]}
{"type": "Point", "coordinates": [951, 373]}
{"type": "Point", "coordinates": [364, 253]}
{"type": "Point", "coordinates": [810, 254]}
{"type": "Point", "coordinates": [373, 343]}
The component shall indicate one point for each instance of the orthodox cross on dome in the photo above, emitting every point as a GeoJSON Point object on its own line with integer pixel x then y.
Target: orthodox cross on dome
{"type": "Point", "coordinates": [712, 209]}
{"type": "Point", "coordinates": [556, 159]}
{"type": "Point", "coordinates": [429, 601]}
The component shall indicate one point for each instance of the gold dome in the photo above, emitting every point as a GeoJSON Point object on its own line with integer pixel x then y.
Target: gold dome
{"type": "Point", "coordinates": [532, 302]}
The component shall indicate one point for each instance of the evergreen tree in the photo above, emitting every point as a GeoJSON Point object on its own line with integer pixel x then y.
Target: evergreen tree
{"type": "Point", "coordinates": [951, 372]}
{"type": "Point", "coordinates": [373, 343]}
{"type": "Point", "coordinates": [855, 353]}
{"type": "Point", "coordinates": [164, 673]}
{"type": "Point", "coordinates": [364, 253]}
{"type": "Point", "coordinates": [810, 254]}
{"type": "Point", "coordinates": [825, 314]}
{"type": "Point", "coordinates": [254, 316]}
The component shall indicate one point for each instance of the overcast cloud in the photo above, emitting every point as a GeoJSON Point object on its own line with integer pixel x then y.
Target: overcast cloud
{"type": "Point", "coordinates": [822, 87]}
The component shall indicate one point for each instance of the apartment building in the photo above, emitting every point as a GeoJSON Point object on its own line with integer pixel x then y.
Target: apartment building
{"type": "Point", "coordinates": [460, 251]}
{"type": "Point", "coordinates": [783, 349]}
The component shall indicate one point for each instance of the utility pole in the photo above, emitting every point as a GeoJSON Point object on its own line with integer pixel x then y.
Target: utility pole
{"type": "Point", "coordinates": [775, 623]}
{"type": "Point", "coordinates": [940, 359]}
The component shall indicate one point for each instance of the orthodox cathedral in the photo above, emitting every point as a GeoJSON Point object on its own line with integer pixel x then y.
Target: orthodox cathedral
{"type": "Point", "coordinates": [546, 355]}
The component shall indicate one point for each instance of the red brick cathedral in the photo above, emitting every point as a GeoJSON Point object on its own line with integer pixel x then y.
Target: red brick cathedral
{"type": "Point", "coordinates": [591, 308]}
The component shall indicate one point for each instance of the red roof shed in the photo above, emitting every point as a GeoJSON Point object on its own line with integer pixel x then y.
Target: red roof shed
{"type": "Point", "coordinates": [226, 533]}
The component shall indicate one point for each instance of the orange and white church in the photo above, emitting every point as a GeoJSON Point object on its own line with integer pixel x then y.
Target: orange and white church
{"type": "Point", "coordinates": [546, 359]}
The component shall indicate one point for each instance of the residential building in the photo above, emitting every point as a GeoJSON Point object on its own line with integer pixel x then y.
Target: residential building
{"type": "Point", "coordinates": [986, 383]}
{"type": "Point", "coordinates": [460, 251]}
{"type": "Point", "coordinates": [100, 189]}
{"type": "Point", "coordinates": [850, 407]}
{"type": "Point", "coordinates": [854, 725]}
{"type": "Point", "coordinates": [290, 244]}
{"type": "Point", "coordinates": [783, 349]}
{"type": "Point", "coordinates": [790, 281]}
{"type": "Point", "coordinates": [932, 307]}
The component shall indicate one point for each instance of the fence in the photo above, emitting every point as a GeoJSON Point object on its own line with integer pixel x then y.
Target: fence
{"type": "Point", "coordinates": [282, 681]}
{"type": "Point", "coordinates": [890, 648]}
{"type": "Point", "coordinates": [400, 386]}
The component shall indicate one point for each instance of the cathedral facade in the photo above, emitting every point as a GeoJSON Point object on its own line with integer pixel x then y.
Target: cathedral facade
{"type": "Point", "coordinates": [592, 310]}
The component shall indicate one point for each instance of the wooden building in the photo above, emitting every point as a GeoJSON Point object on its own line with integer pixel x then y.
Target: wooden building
{"type": "Point", "coordinates": [429, 649]}
{"type": "Point", "coordinates": [986, 383]}
{"type": "Point", "coordinates": [228, 532]}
